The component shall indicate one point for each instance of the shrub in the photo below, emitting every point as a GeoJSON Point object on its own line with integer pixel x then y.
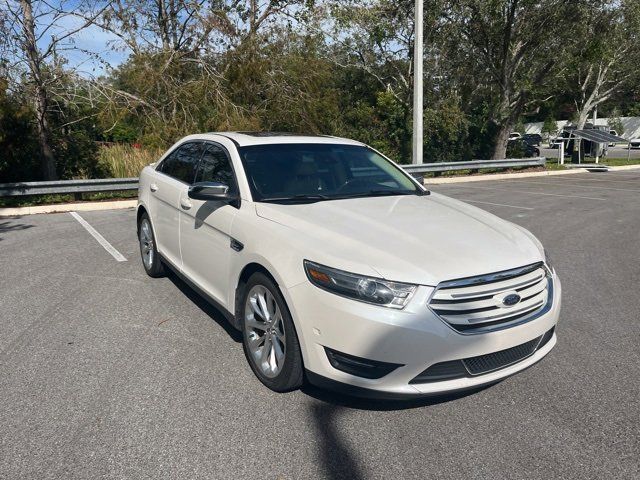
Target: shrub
{"type": "Point", "coordinates": [123, 161]}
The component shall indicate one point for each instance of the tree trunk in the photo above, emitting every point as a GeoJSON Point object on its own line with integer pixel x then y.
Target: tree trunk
{"type": "Point", "coordinates": [583, 115]}
{"type": "Point", "coordinates": [44, 135]}
{"type": "Point", "coordinates": [500, 140]}
{"type": "Point", "coordinates": [40, 95]}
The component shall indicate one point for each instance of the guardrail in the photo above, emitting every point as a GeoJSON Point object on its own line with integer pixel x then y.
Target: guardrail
{"type": "Point", "coordinates": [78, 187]}
{"type": "Point", "coordinates": [418, 169]}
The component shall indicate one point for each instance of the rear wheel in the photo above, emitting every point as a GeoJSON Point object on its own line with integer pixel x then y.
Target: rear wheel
{"type": "Point", "coordinates": [269, 337]}
{"type": "Point", "coordinates": [148, 251]}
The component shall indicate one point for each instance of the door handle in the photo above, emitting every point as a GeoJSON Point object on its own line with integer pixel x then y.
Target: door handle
{"type": "Point", "coordinates": [153, 187]}
{"type": "Point", "coordinates": [185, 203]}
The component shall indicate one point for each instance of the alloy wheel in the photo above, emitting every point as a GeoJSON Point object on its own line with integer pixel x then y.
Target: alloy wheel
{"type": "Point", "coordinates": [146, 244]}
{"type": "Point", "coordinates": [264, 329]}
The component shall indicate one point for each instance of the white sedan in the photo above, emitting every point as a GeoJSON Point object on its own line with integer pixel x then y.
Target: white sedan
{"type": "Point", "coordinates": [634, 143]}
{"type": "Point", "coordinates": [340, 269]}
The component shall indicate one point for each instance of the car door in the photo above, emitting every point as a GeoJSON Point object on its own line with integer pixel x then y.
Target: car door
{"type": "Point", "coordinates": [205, 240]}
{"type": "Point", "coordinates": [173, 176]}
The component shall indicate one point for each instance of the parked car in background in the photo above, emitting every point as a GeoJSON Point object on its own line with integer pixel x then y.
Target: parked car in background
{"type": "Point", "coordinates": [341, 269]}
{"type": "Point", "coordinates": [532, 138]}
{"type": "Point", "coordinates": [514, 135]}
{"type": "Point", "coordinates": [634, 143]}
{"type": "Point", "coordinates": [520, 148]}
{"type": "Point", "coordinates": [613, 132]}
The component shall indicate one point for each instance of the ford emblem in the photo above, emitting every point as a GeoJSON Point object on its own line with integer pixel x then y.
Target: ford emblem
{"type": "Point", "coordinates": [511, 300]}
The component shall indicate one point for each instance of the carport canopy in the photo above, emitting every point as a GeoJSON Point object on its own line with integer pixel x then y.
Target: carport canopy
{"type": "Point", "coordinates": [598, 136]}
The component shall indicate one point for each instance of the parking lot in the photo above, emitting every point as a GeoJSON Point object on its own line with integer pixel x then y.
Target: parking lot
{"type": "Point", "coordinates": [107, 373]}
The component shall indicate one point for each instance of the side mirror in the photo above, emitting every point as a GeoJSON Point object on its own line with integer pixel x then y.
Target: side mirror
{"type": "Point", "coordinates": [210, 191]}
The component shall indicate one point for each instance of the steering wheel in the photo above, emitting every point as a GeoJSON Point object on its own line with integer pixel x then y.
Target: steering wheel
{"type": "Point", "coordinates": [351, 183]}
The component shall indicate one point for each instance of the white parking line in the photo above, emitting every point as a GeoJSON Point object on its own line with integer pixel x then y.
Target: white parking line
{"type": "Point", "coordinates": [514, 190]}
{"type": "Point", "coordinates": [604, 180]}
{"type": "Point", "coordinates": [567, 184]}
{"type": "Point", "coordinates": [101, 240]}
{"type": "Point", "coordinates": [496, 204]}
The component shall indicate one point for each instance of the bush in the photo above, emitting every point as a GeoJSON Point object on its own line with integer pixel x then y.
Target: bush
{"type": "Point", "coordinates": [124, 161]}
{"type": "Point", "coordinates": [19, 152]}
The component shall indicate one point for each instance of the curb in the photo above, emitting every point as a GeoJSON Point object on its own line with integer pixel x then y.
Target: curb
{"type": "Point", "coordinates": [507, 176]}
{"type": "Point", "coordinates": [68, 207]}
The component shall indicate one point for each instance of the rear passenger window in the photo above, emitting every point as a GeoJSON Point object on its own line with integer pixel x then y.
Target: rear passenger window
{"type": "Point", "coordinates": [182, 163]}
{"type": "Point", "coordinates": [215, 166]}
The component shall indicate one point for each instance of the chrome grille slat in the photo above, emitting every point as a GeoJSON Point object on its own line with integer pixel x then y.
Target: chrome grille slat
{"type": "Point", "coordinates": [492, 288]}
{"type": "Point", "coordinates": [467, 304]}
{"type": "Point", "coordinates": [446, 308]}
{"type": "Point", "coordinates": [481, 317]}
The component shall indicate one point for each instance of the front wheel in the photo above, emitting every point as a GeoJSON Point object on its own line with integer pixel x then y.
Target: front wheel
{"type": "Point", "coordinates": [269, 337]}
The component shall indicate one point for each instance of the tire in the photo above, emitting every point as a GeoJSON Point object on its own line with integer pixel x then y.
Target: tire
{"type": "Point", "coordinates": [148, 250]}
{"type": "Point", "coordinates": [281, 372]}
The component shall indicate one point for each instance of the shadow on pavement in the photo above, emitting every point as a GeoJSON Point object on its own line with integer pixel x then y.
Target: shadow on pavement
{"type": "Point", "coordinates": [213, 313]}
{"type": "Point", "coordinates": [336, 457]}
{"type": "Point", "coordinates": [9, 226]}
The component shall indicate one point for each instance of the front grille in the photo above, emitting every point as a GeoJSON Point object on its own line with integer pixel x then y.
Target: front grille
{"type": "Point", "coordinates": [482, 364]}
{"type": "Point", "coordinates": [503, 358]}
{"type": "Point", "coordinates": [477, 304]}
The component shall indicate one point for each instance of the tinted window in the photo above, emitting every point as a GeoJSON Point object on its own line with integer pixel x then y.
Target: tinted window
{"type": "Point", "coordinates": [181, 164]}
{"type": "Point", "coordinates": [327, 170]}
{"type": "Point", "coordinates": [215, 166]}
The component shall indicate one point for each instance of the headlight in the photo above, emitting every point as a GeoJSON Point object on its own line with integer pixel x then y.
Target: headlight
{"type": "Point", "coordinates": [358, 287]}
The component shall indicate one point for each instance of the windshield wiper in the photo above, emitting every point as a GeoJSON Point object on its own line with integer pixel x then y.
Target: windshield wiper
{"type": "Point", "coordinates": [383, 193]}
{"type": "Point", "coordinates": [302, 198]}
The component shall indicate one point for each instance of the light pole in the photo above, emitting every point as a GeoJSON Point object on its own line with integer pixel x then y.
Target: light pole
{"type": "Point", "coordinates": [417, 84]}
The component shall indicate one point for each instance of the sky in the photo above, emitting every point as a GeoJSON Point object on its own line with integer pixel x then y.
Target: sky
{"type": "Point", "coordinates": [91, 40]}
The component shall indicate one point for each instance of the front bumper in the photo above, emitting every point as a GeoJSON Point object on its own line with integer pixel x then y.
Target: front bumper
{"type": "Point", "coordinates": [413, 337]}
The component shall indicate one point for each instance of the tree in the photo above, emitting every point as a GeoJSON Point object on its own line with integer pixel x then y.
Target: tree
{"type": "Point", "coordinates": [31, 55]}
{"type": "Point", "coordinates": [509, 47]}
{"type": "Point", "coordinates": [549, 127]}
{"type": "Point", "coordinates": [615, 123]}
{"type": "Point", "coordinates": [603, 55]}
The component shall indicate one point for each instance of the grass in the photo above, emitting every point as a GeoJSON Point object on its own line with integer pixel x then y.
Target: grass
{"type": "Point", "coordinates": [552, 163]}
{"type": "Point", "coordinates": [124, 161]}
{"type": "Point", "coordinates": [12, 202]}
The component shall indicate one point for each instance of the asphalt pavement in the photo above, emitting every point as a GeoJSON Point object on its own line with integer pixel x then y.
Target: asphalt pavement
{"type": "Point", "coordinates": [107, 373]}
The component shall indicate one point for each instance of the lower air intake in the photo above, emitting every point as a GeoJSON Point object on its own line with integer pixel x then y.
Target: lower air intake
{"type": "Point", "coordinates": [482, 364]}
{"type": "Point", "coordinates": [497, 360]}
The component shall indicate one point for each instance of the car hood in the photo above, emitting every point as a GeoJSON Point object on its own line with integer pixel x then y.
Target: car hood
{"type": "Point", "coordinates": [416, 239]}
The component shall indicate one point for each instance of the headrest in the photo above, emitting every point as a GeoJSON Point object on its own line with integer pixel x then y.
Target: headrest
{"type": "Point", "coordinates": [306, 168]}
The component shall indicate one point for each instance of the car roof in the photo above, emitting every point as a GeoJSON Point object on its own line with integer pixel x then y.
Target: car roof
{"type": "Point", "coordinates": [242, 139]}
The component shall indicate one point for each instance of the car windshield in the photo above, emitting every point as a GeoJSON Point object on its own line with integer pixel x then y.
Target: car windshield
{"type": "Point", "coordinates": [303, 172]}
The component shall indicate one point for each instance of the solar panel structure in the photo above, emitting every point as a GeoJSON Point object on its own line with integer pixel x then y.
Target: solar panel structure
{"type": "Point", "coordinates": [598, 136]}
